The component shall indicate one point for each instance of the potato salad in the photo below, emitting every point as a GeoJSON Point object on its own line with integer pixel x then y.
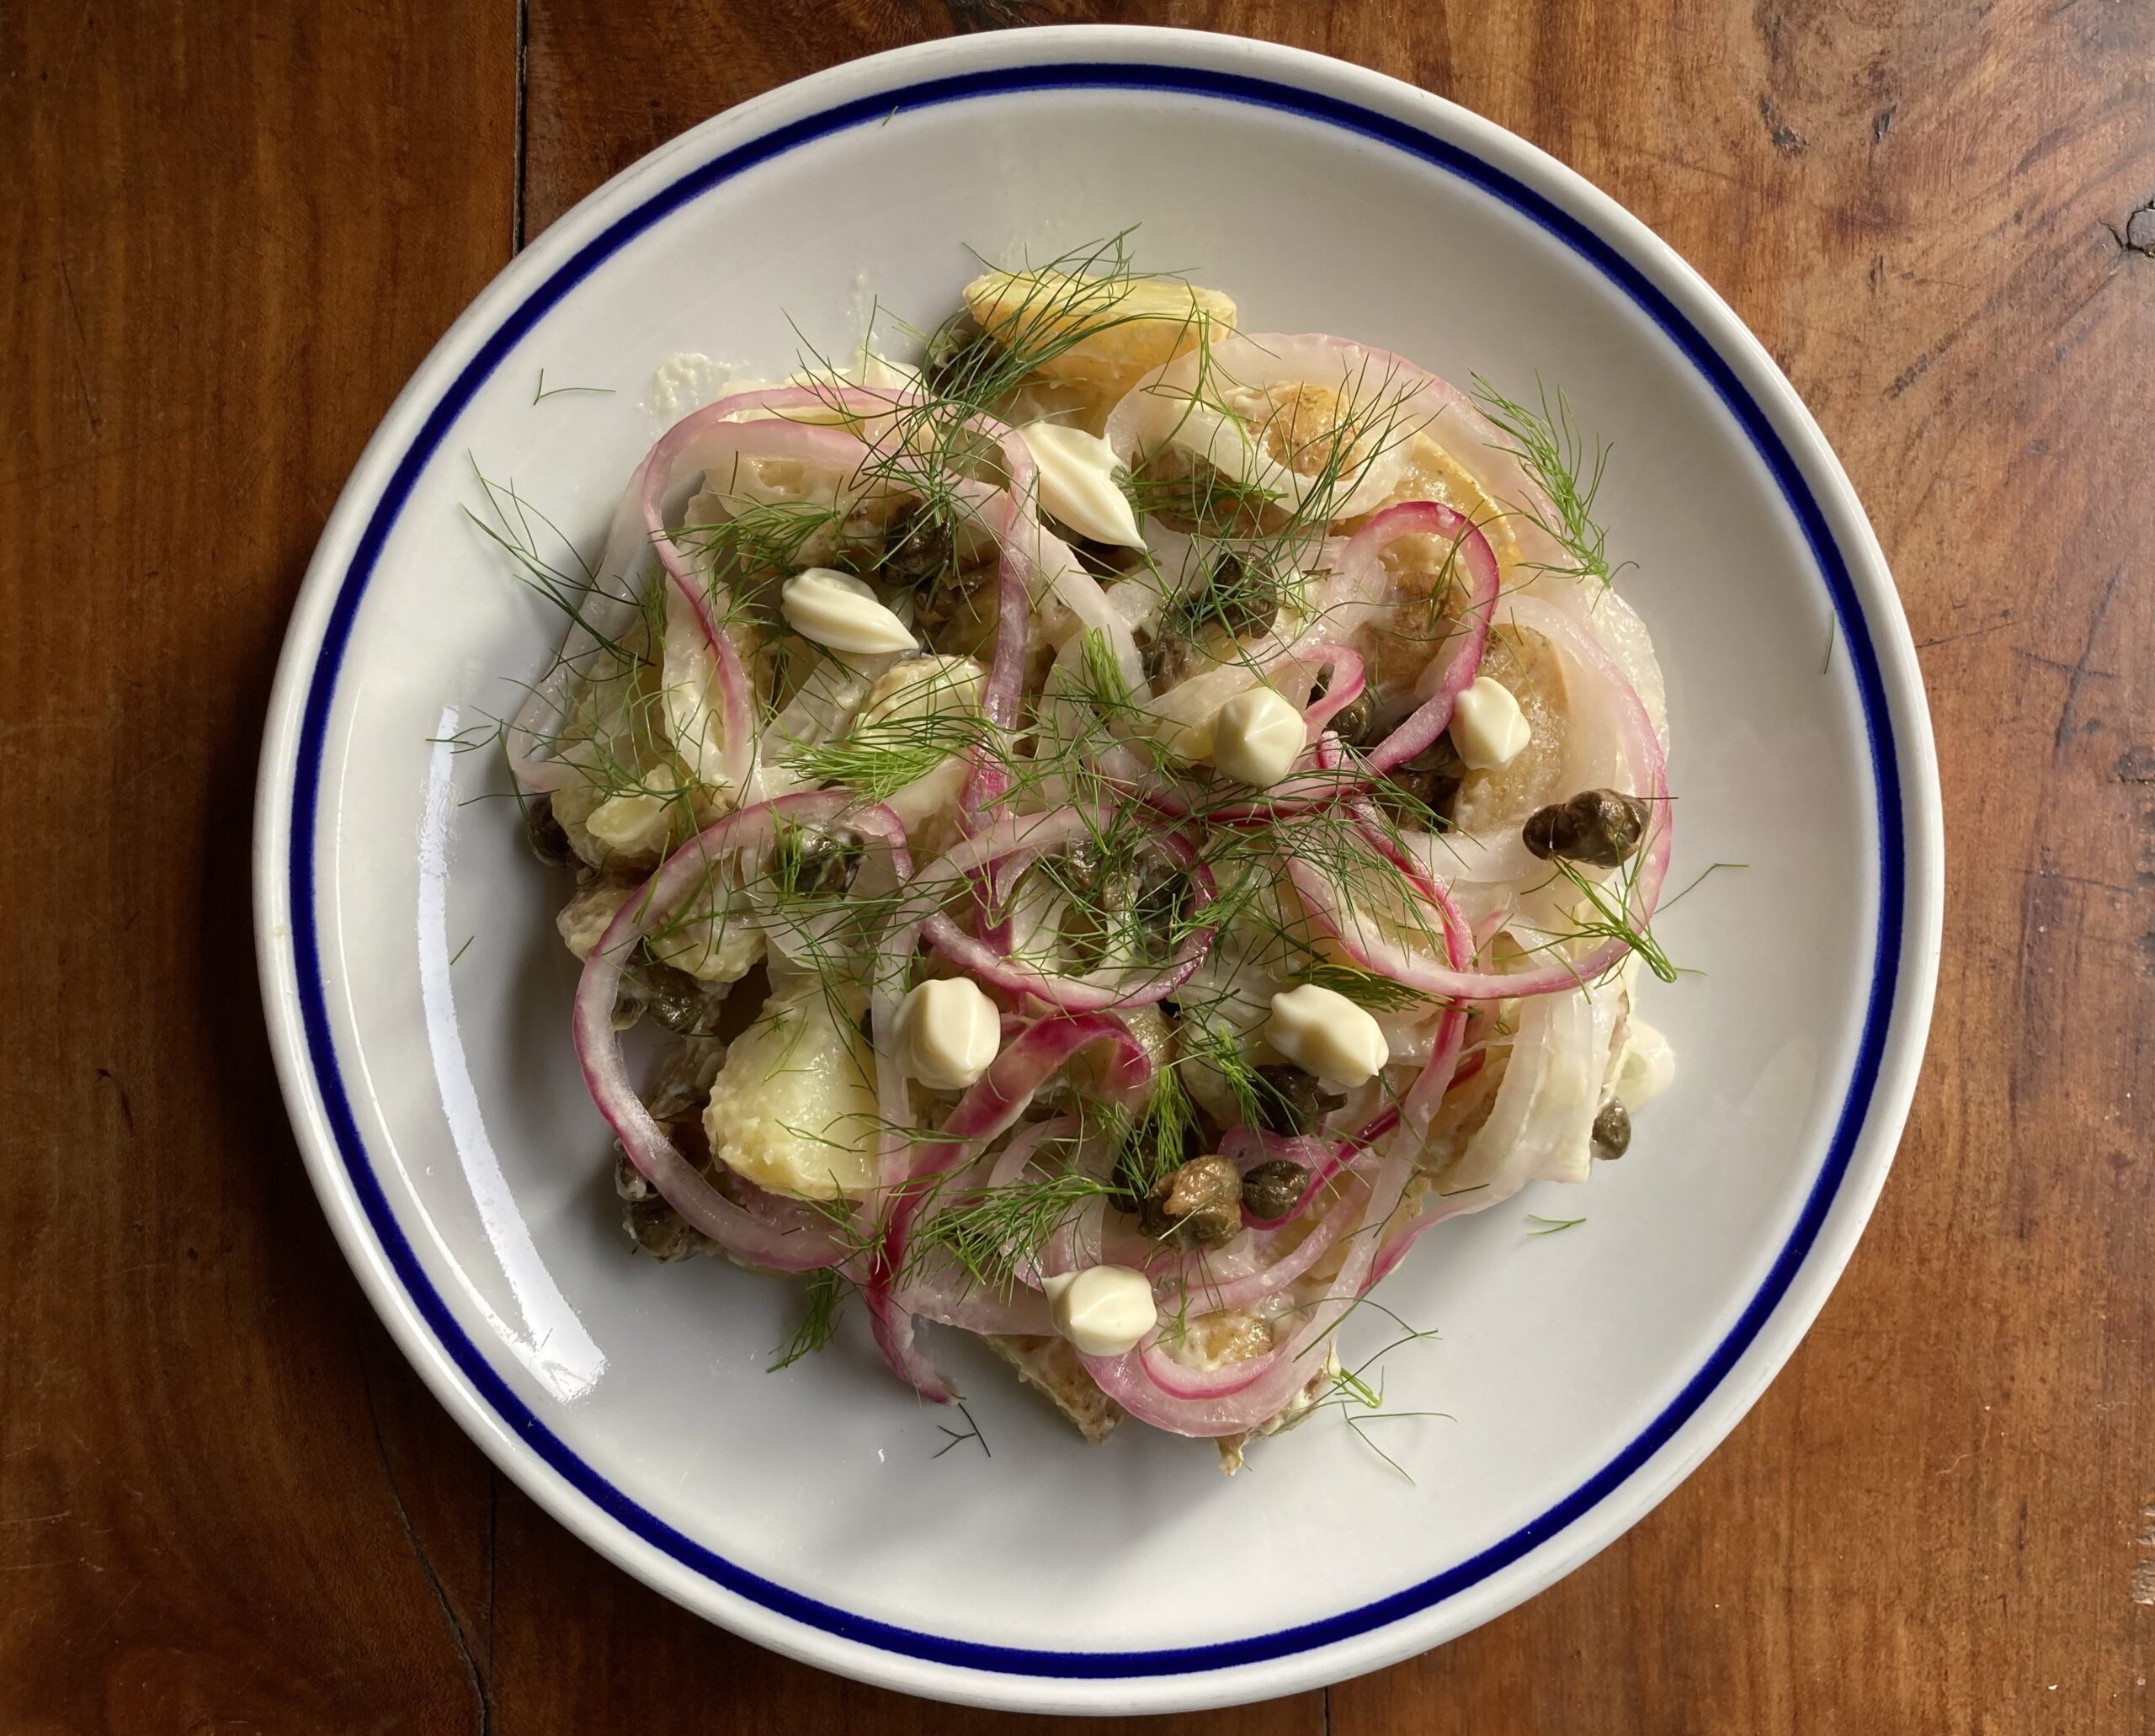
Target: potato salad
{"type": "Point", "coordinates": [1118, 825]}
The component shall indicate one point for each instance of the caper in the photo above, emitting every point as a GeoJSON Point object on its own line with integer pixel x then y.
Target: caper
{"type": "Point", "coordinates": [1084, 870]}
{"type": "Point", "coordinates": [956, 613]}
{"type": "Point", "coordinates": [1118, 906]}
{"type": "Point", "coordinates": [1601, 828]}
{"type": "Point", "coordinates": [1426, 784]}
{"type": "Point", "coordinates": [1612, 1130]}
{"type": "Point", "coordinates": [1163, 896]}
{"type": "Point", "coordinates": [671, 996]}
{"type": "Point", "coordinates": [1169, 657]}
{"type": "Point", "coordinates": [918, 551]}
{"type": "Point", "coordinates": [1198, 1204]}
{"type": "Point", "coordinates": [1274, 1187]}
{"type": "Point", "coordinates": [1355, 722]}
{"type": "Point", "coordinates": [958, 355]}
{"type": "Point", "coordinates": [1290, 1100]}
{"type": "Point", "coordinates": [1241, 597]}
{"type": "Point", "coordinates": [657, 1228]}
{"type": "Point", "coordinates": [544, 833]}
{"type": "Point", "coordinates": [823, 866]}
{"type": "Point", "coordinates": [1099, 890]}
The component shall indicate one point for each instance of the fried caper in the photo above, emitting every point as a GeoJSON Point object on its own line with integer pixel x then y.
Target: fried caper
{"type": "Point", "coordinates": [1355, 722]}
{"type": "Point", "coordinates": [960, 355]}
{"type": "Point", "coordinates": [1241, 595]}
{"type": "Point", "coordinates": [1612, 1130]}
{"type": "Point", "coordinates": [1129, 908]}
{"type": "Point", "coordinates": [1425, 785]}
{"type": "Point", "coordinates": [1290, 1100]}
{"type": "Point", "coordinates": [1274, 1187]}
{"type": "Point", "coordinates": [1163, 896]}
{"type": "Point", "coordinates": [918, 551]}
{"type": "Point", "coordinates": [1601, 828]}
{"type": "Point", "coordinates": [647, 988]}
{"type": "Point", "coordinates": [1198, 1204]}
{"type": "Point", "coordinates": [544, 833]}
{"type": "Point", "coordinates": [671, 996]}
{"type": "Point", "coordinates": [1169, 657]}
{"type": "Point", "coordinates": [823, 866]}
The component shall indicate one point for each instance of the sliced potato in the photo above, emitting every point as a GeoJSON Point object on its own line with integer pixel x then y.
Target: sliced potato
{"type": "Point", "coordinates": [1505, 794]}
{"type": "Point", "coordinates": [1432, 473]}
{"type": "Point", "coordinates": [794, 1108]}
{"type": "Point", "coordinates": [1133, 324]}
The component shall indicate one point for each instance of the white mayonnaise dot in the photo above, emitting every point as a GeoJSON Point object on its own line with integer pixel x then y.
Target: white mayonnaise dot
{"type": "Point", "coordinates": [949, 1033]}
{"type": "Point", "coordinates": [837, 609]}
{"type": "Point", "coordinates": [1102, 1310]}
{"type": "Point", "coordinates": [1257, 736]}
{"type": "Point", "coordinates": [1324, 1033]}
{"type": "Point", "coordinates": [1646, 1068]}
{"type": "Point", "coordinates": [1078, 486]}
{"type": "Point", "coordinates": [1487, 728]}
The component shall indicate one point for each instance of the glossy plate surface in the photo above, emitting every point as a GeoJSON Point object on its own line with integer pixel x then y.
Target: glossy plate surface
{"type": "Point", "coordinates": [418, 999]}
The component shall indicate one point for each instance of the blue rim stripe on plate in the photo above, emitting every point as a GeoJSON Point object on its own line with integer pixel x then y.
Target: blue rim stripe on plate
{"type": "Point", "coordinates": [1854, 633]}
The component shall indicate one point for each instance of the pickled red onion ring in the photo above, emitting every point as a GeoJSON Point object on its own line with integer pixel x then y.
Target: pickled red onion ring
{"type": "Point", "coordinates": [744, 1234]}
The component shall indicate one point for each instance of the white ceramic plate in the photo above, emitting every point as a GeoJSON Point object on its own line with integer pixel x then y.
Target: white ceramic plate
{"type": "Point", "coordinates": [418, 999]}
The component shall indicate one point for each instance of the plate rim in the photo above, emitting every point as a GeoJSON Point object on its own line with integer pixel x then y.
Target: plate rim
{"type": "Point", "coordinates": [1189, 65]}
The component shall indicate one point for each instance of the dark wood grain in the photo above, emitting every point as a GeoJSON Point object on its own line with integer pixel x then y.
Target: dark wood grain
{"type": "Point", "coordinates": [227, 233]}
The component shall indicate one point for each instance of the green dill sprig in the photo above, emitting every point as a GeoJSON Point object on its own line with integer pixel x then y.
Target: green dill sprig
{"type": "Point", "coordinates": [616, 731]}
{"type": "Point", "coordinates": [989, 1235]}
{"type": "Point", "coordinates": [1360, 1401]}
{"type": "Point", "coordinates": [544, 391]}
{"type": "Point", "coordinates": [819, 1322]}
{"type": "Point", "coordinates": [1551, 1226]}
{"type": "Point", "coordinates": [1213, 1042]}
{"type": "Point", "coordinates": [1611, 919]}
{"type": "Point", "coordinates": [1549, 445]}
{"type": "Point", "coordinates": [958, 1437]}
{"type": "Point", "coordinates": [512, 532]}
{"type": "Point", "coordinates": [1160, 1139]}
{"type": "Point", "coordinates": [876, 760]}
{"type": "Point", "coordinates": [1365, 988]}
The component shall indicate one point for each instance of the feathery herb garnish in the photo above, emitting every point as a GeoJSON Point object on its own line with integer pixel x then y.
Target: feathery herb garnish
{"type": "Point", "coordinates": [545, 391]}
{"type": "Point", "coordinates": [958, 1437]}
{"type": "Point", "coordinates": [1550, 447]}
{"type": "Point", "coordinates": [989, 1235]}
{"type": "Point", "coordinates": [819, 1324]}
{"type": "Point", "coordinates": [1365, 988]}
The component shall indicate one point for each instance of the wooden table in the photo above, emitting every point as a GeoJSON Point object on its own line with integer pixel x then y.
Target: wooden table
{"type": "Point", "coordinates": [228, 232]}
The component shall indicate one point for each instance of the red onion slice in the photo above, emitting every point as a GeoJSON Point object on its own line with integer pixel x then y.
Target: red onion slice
{"type": "Point", "coordinates": [698, 443]}
{"type": "Point", "coordinates": [741, 1234]}
{"type": "Point", "coordinates": [1284, 1370]}
{"type": "Point", "coordinates": [989, 1109]}
{"type": "Point", "coordinates": [1007, 843]}
{"type": "Point", "coordinates": [1359, 576]}
{"type": "Point", "coordinates": [1373, 951]}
